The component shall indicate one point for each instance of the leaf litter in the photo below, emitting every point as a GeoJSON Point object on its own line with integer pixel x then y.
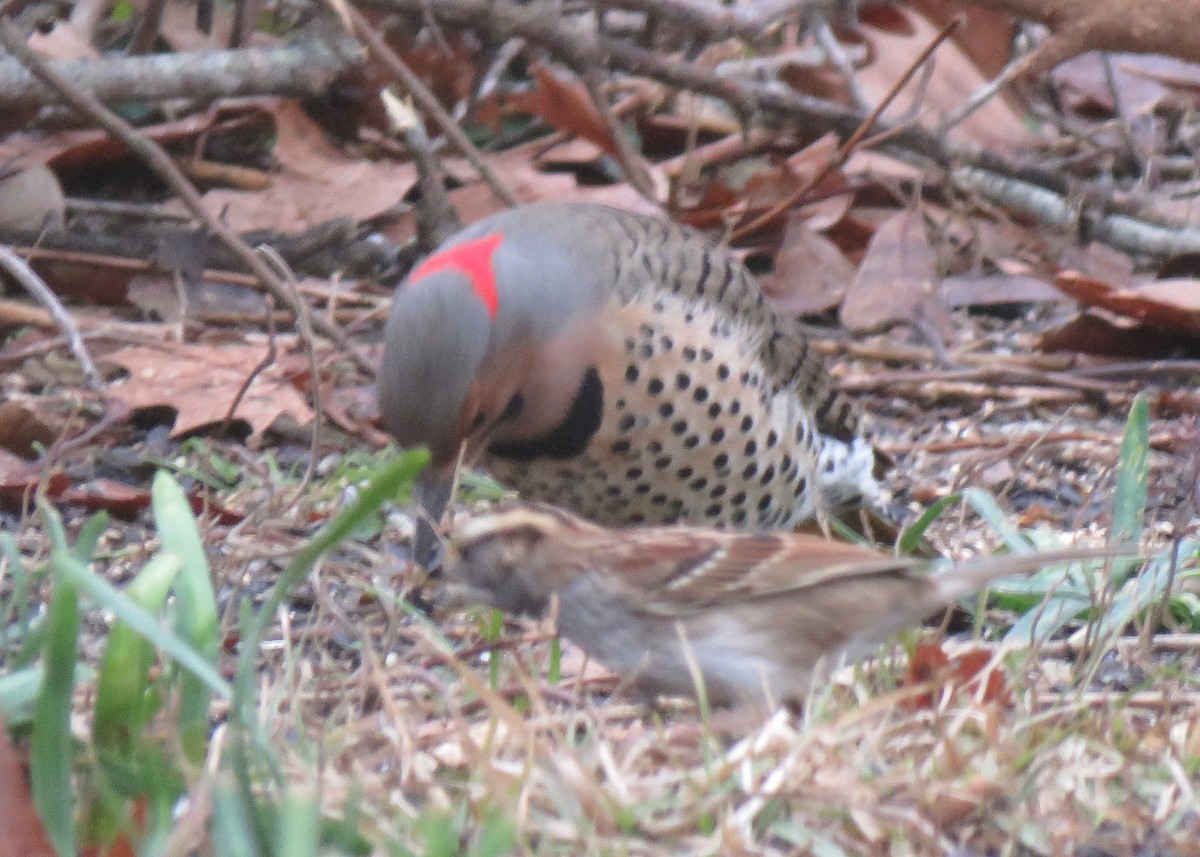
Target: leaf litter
{"type": "Point", "coordinates": [1015, 752]}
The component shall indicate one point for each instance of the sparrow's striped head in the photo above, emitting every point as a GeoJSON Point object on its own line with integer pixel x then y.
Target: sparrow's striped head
{"type": "Point", "coordinates": [509, 558]}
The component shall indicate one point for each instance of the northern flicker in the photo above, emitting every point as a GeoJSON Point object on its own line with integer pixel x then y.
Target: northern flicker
{"type": "Point", "coordinates": [620, 366]}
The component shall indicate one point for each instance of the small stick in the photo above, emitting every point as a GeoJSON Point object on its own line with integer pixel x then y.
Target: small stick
{"type": "Point", "coordinates": [27, 277]}
{"type": "Point", "coordinates": [426, 100]}
{"type": "Point", "coordinates": [846, 149]}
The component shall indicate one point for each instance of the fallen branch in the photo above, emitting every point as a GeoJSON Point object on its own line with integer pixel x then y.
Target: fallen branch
{"type": "Point", "coordinates": [302, 68]}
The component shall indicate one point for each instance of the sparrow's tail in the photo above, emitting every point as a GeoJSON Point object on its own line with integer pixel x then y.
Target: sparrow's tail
{"type": "Point", "coordinates": [974, 574]}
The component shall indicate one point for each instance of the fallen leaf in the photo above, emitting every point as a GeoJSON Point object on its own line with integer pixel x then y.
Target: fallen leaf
{"type": "Point", "coordinates": [316, 182]}
{"type": "Point", "coordinates": [977, 290]}
{"type": "Point", "coordinates": [1172, 305]}
{"type": "Point", "coordinates": [21, 831]}
{"type": "Point", "coordinates": [985, 36]}
{"type": "Point", "coordinates": [564, 104]}
{"type": "Point", "coordinates": [930, 663]}
{"type": "Point", "coordinates": [516, 168]}
{"type": "Point", "coordinates": [811, 274]}
{"type": "Point", "coordinates": [201, 382]}
{"type": "Point", "coordinates": [1099, 332]}
{"type": "Point", "coordinates": [896, 281]}
{"type": "Point", "coordinates": [23, 429]}
{"type": "Point", "coordinates": [20, 478]}
{"type": "Point", "coordinates": [954, 78]}
{"type": "Point", "coordinates": [31, 199]}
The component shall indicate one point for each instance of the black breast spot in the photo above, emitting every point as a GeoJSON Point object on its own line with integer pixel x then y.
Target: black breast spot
{"type": "Point", "coordinates": [570, 437]}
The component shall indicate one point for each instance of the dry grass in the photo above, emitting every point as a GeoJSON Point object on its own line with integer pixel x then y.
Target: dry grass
{"type": "Point", "coordinates": [458, 736]}
{"type": "Point", "coordinates": [405, 729]}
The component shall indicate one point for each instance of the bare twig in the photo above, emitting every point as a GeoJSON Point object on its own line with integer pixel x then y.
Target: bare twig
{"type": "Point", "coordinates": [305, 332]}
{"type": "Point", "coordinates": [841, 61]}
{"type": "Point", "coordinates": [847, 148]}
{"type": "Point", "coordinates": [428, 103]}
{"type": "Point", "coordinates": [631, 161]}
{"type": "Point", "coordinates": [436, 217]}
{"type": "Point", "coordinates": [577, 44]}
{"type": "Point", "coordinates": [25, 275]}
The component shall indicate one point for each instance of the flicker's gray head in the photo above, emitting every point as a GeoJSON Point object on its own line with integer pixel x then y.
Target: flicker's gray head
{"type": "Point", "coordinates": [494, 313]}
{"type": "Point", "coordinates": [492, 339]}
{"type": "Point", "coordinates": [436, 339]}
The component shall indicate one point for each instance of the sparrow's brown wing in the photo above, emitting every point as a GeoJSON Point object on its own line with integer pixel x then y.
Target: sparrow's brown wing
{"type": "Point", "coordinates": [682, 570]}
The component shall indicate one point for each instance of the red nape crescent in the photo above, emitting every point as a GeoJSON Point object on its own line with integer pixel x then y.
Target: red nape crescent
{"type": "Point", "coordinates": [473, 258]}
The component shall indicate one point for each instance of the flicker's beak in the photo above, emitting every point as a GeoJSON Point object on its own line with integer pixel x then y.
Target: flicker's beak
{"type": "Point", "coordinates": [432, 491]}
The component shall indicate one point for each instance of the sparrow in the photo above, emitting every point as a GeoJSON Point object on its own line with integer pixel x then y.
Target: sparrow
{"type": "Point", "coordinates": [730, 617]}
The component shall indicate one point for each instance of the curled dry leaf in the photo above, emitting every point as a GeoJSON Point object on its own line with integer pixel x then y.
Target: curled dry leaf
{"type": "Point", "coordinates": [1172, 305]}
{"type": "Point", "coordinates": [963, 672]}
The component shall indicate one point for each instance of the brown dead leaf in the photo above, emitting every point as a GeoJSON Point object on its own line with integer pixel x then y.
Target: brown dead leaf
{"type": "Point", "coordinates": [31, 199]}
{"type": "Point", "coordinates": [1099, 332]}
{"type": "Point", "coordinates": [19, 478]}
{"type": "Point", "coordinates": [975, 290]}
{"type": "Point", "coordinates": [1172, 305]}
{"type": "Point", "coordinates": [963, 672]}
{"type": "Point", "coordinates": [22, 428]}
{"type": "Point", "coordinates": [1141, 83]}
{"type": "Point", "coordinates": [21, 831]}
{"type": "Point", "coordinates": [811, 274]}
{"type": "Point", "coordinates": [201, 382]}
{"type": "Point", "coordinates": [953, 80]}
{"type": "Point", "coordinates": [985, 36]}
{"type": "Point", "coordinates": [517, 168]}
{"type": "Point", "coordinates": [1152, 27]}
{"type": "Point", "coordinates": [1099, 262]}
{"type": "Point", "coordinates": [896, 281]}
{"type": "Point", "coordinates": [564, 104]}
{"type": "Point", "coordinates": [316, 182]}
{"type": "Point", "coordinates": [117, 498]}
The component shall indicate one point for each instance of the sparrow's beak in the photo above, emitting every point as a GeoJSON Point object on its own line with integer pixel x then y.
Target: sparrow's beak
{"type": "Point", "coordinates": [432, 491]}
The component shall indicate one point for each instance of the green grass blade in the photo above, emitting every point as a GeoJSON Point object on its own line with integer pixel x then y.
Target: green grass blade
{"type": "Point", "coordinates": [62, 562]}
{"type": "Point", "coordinates": [196, 617]}
{"type": "Point", "coordinates": [1142, 592]}
{"type": "Point", "coordinates": [299, 826]}
{"type": "Point", "coordinates": [122, 710]}
{"type": "Point", "coordinates": [50, 752]}
{"type": "Point", "coordinates": [386, 485]}
{"type": "Point", "coordinates": [15, 607]}
{"type": "Point", "coordinates": [19, 692]}
{"type": "Point", "coordinates": [987, 507]}
{"type": "Point", "coordinates": [115, 601]}
{"type": "Point", "coordinates": [911, 538]}
{"type": "Point", "coordinates": [89, 537]}
{"type": "Point", "coordinates": [232, 833]}
{"type": "Point", "coordinates": [1129, 497]}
